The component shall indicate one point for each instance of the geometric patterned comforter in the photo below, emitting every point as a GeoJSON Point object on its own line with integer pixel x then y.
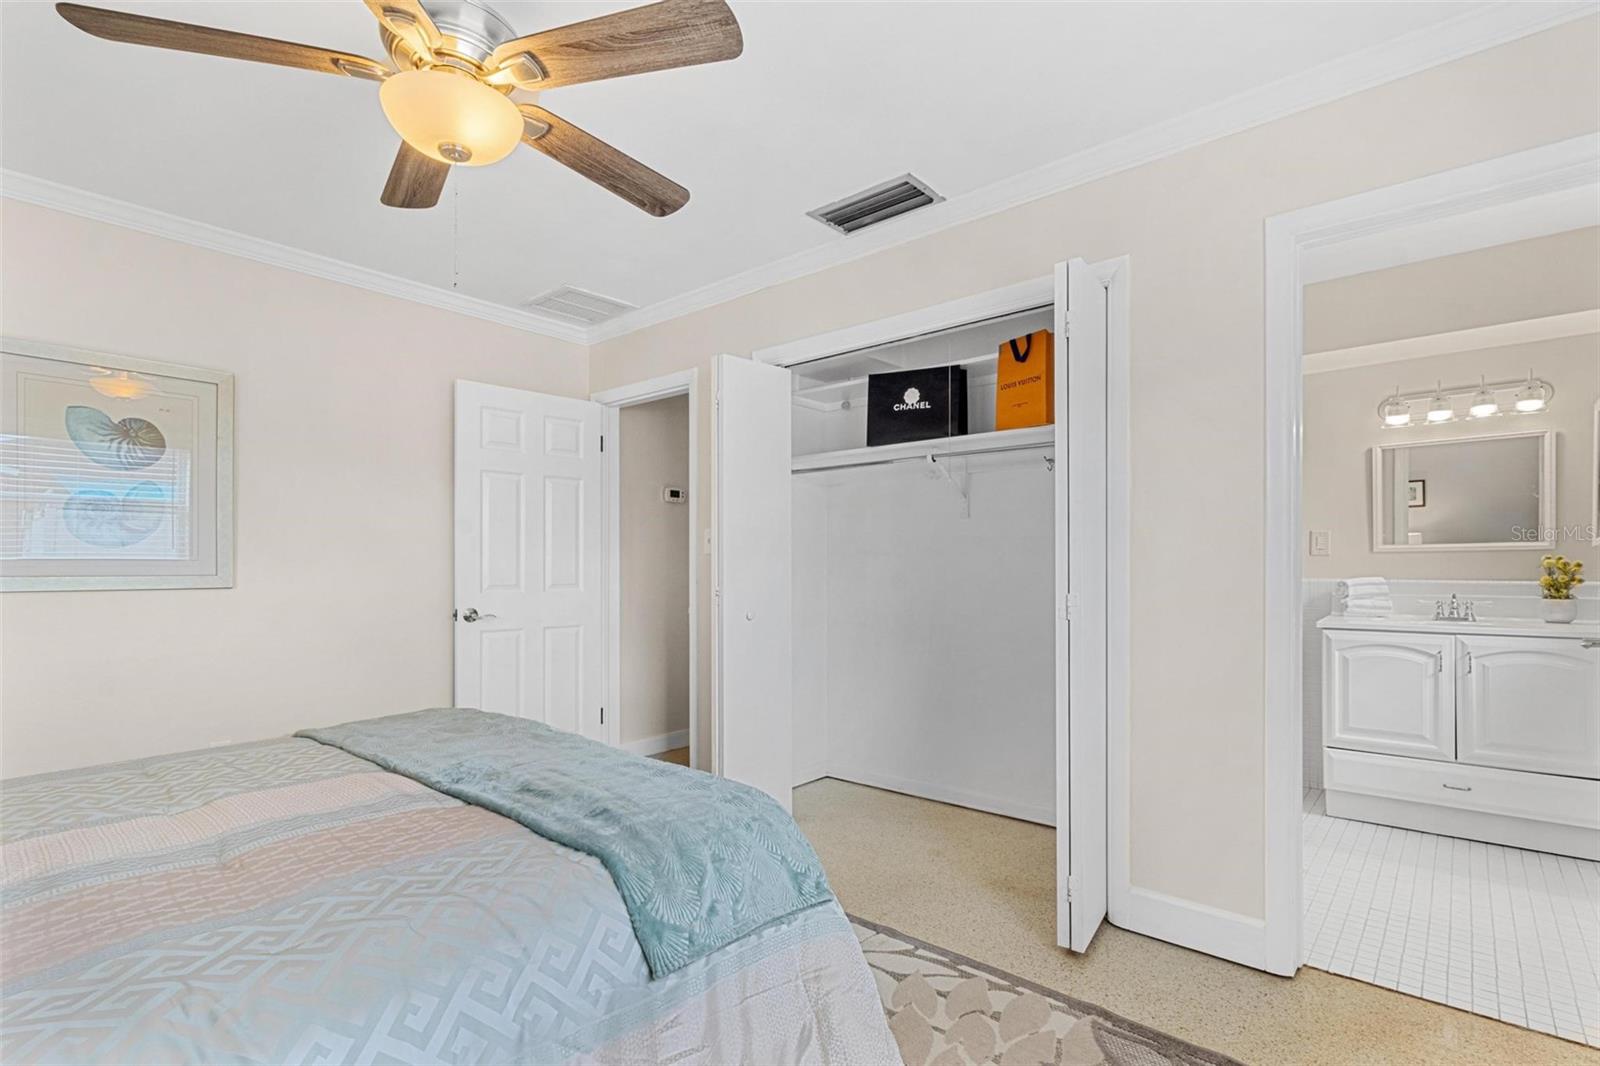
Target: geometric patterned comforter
{"type": "Point", "coordinates": [284, 901]}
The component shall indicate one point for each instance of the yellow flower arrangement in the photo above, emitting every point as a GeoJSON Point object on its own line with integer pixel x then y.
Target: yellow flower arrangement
{"type": "Point", "coordinates": [1561, 577]}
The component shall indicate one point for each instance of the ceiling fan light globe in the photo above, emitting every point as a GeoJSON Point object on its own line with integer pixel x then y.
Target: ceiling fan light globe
{"type": "Point", "coordinates": [450, 116]}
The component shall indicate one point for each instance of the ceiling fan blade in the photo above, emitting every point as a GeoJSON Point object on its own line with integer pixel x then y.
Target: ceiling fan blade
{"type": "Point", "coordinates": [672, 33]}
{"type": "Point", "coordinates": [601, 163]}
{"type": "Point", "coordinates": [414, 180]}
{"type": "Point", "coordinates": [408, 20]}
{"type": "Point", "coordinates": [187, 37]}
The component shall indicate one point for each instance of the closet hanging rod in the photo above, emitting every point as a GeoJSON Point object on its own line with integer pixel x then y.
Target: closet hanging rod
{"type": "Point", "coordinates": [929, 456]}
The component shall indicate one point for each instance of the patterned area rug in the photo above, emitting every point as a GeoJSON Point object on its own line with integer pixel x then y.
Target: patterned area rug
{"type": "Point", "coordinates": [948, 1010]}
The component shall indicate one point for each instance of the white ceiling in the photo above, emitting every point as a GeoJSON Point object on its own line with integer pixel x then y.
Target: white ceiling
{"type": "Point", "coordinates": [827, 98]}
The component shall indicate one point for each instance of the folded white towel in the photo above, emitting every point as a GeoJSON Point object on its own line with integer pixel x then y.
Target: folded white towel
{"type": "Point", "coordinates": [1363, 597]}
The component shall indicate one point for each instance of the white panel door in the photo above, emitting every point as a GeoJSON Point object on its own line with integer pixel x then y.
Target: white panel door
{"type": "Point", "coordinates": [754, 578]}
{"type": "Point", "coordinates": [1080, 489]}
{"type": "Point", "coordinates": [1392, 693]}
{"type": "Point", "coordinates": [1527, 703]}
{"type": "Point", "coordinates": [529, 556]}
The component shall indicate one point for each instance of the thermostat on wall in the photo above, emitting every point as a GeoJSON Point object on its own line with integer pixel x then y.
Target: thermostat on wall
{"type": "Point", "coordinates": [672, 495]}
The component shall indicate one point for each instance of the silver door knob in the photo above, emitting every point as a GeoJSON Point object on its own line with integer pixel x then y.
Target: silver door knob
{"type": "Point", "coordinates": [471, 615]}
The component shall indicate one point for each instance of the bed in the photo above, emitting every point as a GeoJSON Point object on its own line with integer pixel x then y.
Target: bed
{"type": "Point", "coordinates": [378, 892]}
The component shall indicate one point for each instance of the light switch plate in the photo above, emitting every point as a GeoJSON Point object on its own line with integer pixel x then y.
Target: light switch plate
{"type": "Point", "coordinates": [1321, 542]}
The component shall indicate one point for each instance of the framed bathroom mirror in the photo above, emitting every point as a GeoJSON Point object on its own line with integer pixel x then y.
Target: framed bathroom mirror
{"type": "Point", "coordinates": [1465, 493]}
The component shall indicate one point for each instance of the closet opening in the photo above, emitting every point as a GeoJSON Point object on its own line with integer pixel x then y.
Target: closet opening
{"type": "Point", "coordinates": [945, 591]}
{"type": "Point", "coordinates": [924, 606]}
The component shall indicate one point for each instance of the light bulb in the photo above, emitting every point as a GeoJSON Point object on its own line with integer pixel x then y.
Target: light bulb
{"type": "Point", "coordinates": [450, 116]}
{"type": "Point", "coordinates": [1396, 412]}
{"type": "Point", "coordinates": [1440, 410]}
{"type": "Point", "coordinates": [1531, 397]}
{"type": "Point", "coordinates": [1484, 404]}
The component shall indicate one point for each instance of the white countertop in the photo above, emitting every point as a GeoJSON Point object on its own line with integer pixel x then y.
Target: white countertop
{"type": "Point", "coordinates": [1489, 627]}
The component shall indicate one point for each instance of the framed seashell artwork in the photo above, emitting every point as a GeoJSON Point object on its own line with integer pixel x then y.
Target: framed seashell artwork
{"type": "Point", "coordinates": [115, 472]}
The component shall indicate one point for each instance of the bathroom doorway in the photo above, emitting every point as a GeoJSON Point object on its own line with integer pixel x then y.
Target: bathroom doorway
{"type": "Point", "coordinates": [1432, 349]}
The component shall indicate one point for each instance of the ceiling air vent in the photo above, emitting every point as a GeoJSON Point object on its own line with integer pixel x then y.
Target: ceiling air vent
{"type": "Point", "coordinates": [877, 204]}
{"type": "Point", "coordinates": [578, 305]}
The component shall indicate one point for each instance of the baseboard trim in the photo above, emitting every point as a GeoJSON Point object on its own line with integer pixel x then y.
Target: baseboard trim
{"type": "Point", "coordinates": [960, 797]}
{"type": "Point", "coordinates": [1225, 934]}
{"type": "Point", "coordinates": [806, 775]}
{"type": "Point", "coordinates": [657, 744]}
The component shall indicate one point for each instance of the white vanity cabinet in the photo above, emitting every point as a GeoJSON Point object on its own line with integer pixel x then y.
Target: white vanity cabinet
{"type": "Point", "coordinates": [1390, 692]}
{"type": "Point", "coordinates": [1484, 731]}
{"type": "Point", "coordinates": [1529, 703]}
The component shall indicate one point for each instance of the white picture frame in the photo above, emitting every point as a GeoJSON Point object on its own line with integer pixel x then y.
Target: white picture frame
{"type": "Point", "coordinates": [115, 472]}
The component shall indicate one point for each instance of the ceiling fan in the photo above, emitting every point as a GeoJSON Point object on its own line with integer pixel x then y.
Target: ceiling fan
{"type": "Point", "coordinates": [456, 66]}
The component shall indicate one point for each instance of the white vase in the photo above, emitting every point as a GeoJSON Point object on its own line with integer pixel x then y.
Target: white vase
{"type": "Point", "coordinates": [1559, 610]}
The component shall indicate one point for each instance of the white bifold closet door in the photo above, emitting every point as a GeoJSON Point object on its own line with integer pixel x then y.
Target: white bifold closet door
{"type": "Point", "coordinates": [752, 698]}
{"type": "Point", "coordinates": [529, 557]}
{"type": "Point", "coordinates": [1082, 865]}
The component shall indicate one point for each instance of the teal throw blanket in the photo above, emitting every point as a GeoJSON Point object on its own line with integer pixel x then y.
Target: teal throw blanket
{"type": "Point", "coordinates": [699, 861]}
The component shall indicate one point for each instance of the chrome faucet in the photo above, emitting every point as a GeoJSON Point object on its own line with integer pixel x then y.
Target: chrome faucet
{"type": "Point", "coordinates": [1458, 611]}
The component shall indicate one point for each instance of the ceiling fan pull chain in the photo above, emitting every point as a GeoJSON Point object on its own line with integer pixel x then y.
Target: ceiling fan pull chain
{"type": "Point", "coordinates": [455, 236]}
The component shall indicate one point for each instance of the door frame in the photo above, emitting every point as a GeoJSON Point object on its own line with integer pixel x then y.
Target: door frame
{"type": "Point", "coordinates": [1291, 241]}
{"type": "Point", "coordinates": [681, 383]}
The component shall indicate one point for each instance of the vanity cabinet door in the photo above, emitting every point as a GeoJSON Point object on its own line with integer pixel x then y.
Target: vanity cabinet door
{"type": "Point", "coordinates": [1389, 692]}
{"type": "Point", "coordinates": [1530, 703]}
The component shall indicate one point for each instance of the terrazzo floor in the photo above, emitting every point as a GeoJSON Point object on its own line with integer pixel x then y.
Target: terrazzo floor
{"type": "Point", "coordinates": [984, 886]}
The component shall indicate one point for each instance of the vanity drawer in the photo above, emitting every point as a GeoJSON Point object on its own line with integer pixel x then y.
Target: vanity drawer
{"type": "Point", "coordinates": [1514, 794]}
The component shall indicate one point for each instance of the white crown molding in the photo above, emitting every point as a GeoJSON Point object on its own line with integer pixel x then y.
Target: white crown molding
{"type": "Point", "coordinates": [1478, 338]}
{"type": "Point", "coordinates": [1409, 54]}
{"type": "Point", "coordinates": [29, 189]}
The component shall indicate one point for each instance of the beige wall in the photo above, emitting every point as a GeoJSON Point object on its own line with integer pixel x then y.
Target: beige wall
{"type": "Point", "coordinates": [1512, 282]}
{"type": "Point", "coordinates": [1341, 429]}
{"type": "Point", "coordinates": [341, 606]}
{"type": "Point", "coordinates": [655, 569]}
{"type": "Point", "coordinates": [1192, 224]}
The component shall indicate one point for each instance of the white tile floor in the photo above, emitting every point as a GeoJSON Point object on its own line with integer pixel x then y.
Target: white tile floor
{"type": "Point", "coordinates": [1498, 931]}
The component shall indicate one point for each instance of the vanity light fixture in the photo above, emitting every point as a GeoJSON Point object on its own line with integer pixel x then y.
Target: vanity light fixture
{"type": "Point", "coordinates": [1440, 409]}
{"type": "Point", "coordinates": [1437, 406]}
{"type": "Point", "coordinates": [1484, 403]}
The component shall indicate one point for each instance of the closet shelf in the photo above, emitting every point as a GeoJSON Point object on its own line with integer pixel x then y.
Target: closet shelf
{"type": "Point", "coordinates": [972, 444]}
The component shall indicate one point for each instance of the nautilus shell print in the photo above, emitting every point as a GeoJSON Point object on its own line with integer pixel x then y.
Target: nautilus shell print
{"type": "Point", "coordinates": [125, 444]}
{"type": "Point", "coordinates": [102, 518]}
